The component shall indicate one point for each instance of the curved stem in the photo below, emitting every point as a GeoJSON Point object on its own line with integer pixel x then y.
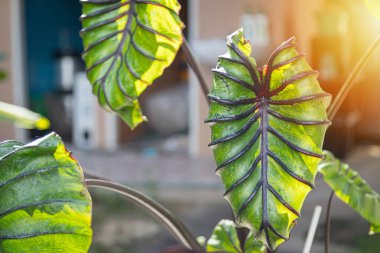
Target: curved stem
{"type": "Point", "coordinates": [88, 174]}
{"type": "Point", "coordinates": [328, 223]}
{"type": "Point", "coordinates": [195, 66]}
{"type": "Point", "coordinates": [183, 235]}
{"type": "Point", "coordinates": [347, 85]}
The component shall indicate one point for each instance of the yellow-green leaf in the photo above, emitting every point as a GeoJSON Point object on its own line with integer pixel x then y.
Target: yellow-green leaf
{"type": "Point", "coordinates": [44, 203]}
{"type": "Point", "coordinates": [224, 238]}
{"type": "Point", "coordinates": [128, 44]}
{"type": "Point", "coordinates": [268, 126]}
{"type": "Point", "coordinates": [352, 189]}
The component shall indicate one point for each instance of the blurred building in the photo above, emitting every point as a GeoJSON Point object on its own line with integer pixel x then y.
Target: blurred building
{"type": "Point", "coordinates": [38, 37]}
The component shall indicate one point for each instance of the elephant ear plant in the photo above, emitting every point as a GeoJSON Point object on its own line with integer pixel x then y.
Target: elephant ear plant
{"type": "Point", "coordinates": [128, 44]}
{"type": "Point", "coordinates": [268, 126]}
{"type": "Point", "coordinates": [44, 203]}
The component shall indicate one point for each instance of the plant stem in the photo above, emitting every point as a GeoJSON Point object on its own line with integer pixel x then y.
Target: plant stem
{"type": "Point", "coordinates": [349, 82]}
{"type": "Point", "coordinates": [183, 235]}
{"type": "Point", "coordinates": [195, 66]}
{"type": "Point", "coordinates": [328, 223]}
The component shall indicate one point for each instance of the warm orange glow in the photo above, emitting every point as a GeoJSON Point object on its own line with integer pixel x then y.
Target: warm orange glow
{"type": "Point", "coordinates": [374, 7]}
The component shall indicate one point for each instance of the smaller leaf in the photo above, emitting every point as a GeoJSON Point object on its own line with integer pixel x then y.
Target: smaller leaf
{"type": "Point", "coordinates": [202, 240]}
{"type": "Point", "coordinates": [352, 189]}
{"type": "Point", "coordinates": [224, 238]}
{"type": "Point", "coordinates": [253, 246]}
{"type": "Point", "coordinates": [23, 117]}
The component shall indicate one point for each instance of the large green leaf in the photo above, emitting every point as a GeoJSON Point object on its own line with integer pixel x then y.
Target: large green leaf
{"type": "Point", "coordinates": [23, 117]}
{"type": "Point", "coordinates": [352, 189]}
{"type": "Point", "coordinates": [224, 238]}
{"type": "Point", "coordinates": [44, 203]}
{"type": "Point", "coordinates": [128, 44]}
{"type": "Point", "coordinates": [267, 127]}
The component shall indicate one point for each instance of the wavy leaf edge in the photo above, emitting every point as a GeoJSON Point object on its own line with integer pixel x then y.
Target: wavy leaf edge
{"type": "Point", "coordinates": [259, 96]}
{"type": "Point", "coordinates": [352, 189]}
{"type": "Point", "coordinates": [44, 200]}
{"type": "Point", "coordinates": [126, 47]}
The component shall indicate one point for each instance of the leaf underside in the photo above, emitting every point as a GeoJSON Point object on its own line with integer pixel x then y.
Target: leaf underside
{"type": "Point", "coordinates": [352, 189]}
{"type": "Point", "coordinates": [224, 238]}
{"type": "Point", "coordinates": [128, 44]}
{"type": "Point", "coordinates": [268, 127]}
{"type": "Point", "coordinates": [44, 204]}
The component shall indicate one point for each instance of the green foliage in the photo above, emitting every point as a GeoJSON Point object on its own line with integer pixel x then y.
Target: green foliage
{"type": "Point", "coordinates": [44, 203]}
{"type": "Point", "coordinates": [23, 117]}
{"type": "Point", "coordinates": [224, 238]}
{"type": "Point", "coordinates": [366, 244]}
{"type": "Point", "coordinates": [268, 127]}
{"type": "Point", "coordinates": [3, 74]}
{"type": "Point", "coordinates": [352, 189]}
{"type": "Point", "coordinates": [128, 44]}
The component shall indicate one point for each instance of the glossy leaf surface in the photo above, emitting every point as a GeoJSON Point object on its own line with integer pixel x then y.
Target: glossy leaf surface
{"type": "Point", "coordinates": [44, 203]}
{"type": "Point", "coordinates": [23, 117]}
{"type": "Point", "coordinates": [267, 128]}
{"type": "Point", "coordinates": [352, 189]}
{"type": "Point", "coordinates": [224, 238]}
{"type": "Point", "coordinates": [128, 44]}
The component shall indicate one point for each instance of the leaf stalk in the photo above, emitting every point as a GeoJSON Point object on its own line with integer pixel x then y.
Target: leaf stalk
{"type": "Point", "coordinates": [195, 66]}
{"type": "Point", "coordinates": [183, 235]}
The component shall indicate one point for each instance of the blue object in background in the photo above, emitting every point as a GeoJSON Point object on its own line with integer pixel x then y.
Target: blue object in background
{"type": "Point", "coordinates": [51, 26]}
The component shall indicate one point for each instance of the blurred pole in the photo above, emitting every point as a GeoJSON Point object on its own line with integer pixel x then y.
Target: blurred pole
{"type": "Point", "coordinates": [18, 71]}
{"type": "Point", "coordinates": [312, 229]}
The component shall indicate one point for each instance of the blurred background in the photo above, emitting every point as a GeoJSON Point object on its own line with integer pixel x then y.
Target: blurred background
{"type": "Point", "coordinates": [167, 157]}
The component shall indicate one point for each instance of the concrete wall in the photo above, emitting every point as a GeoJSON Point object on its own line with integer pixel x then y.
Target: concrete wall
{"type": "Point", "coordinates": [7, 131]}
